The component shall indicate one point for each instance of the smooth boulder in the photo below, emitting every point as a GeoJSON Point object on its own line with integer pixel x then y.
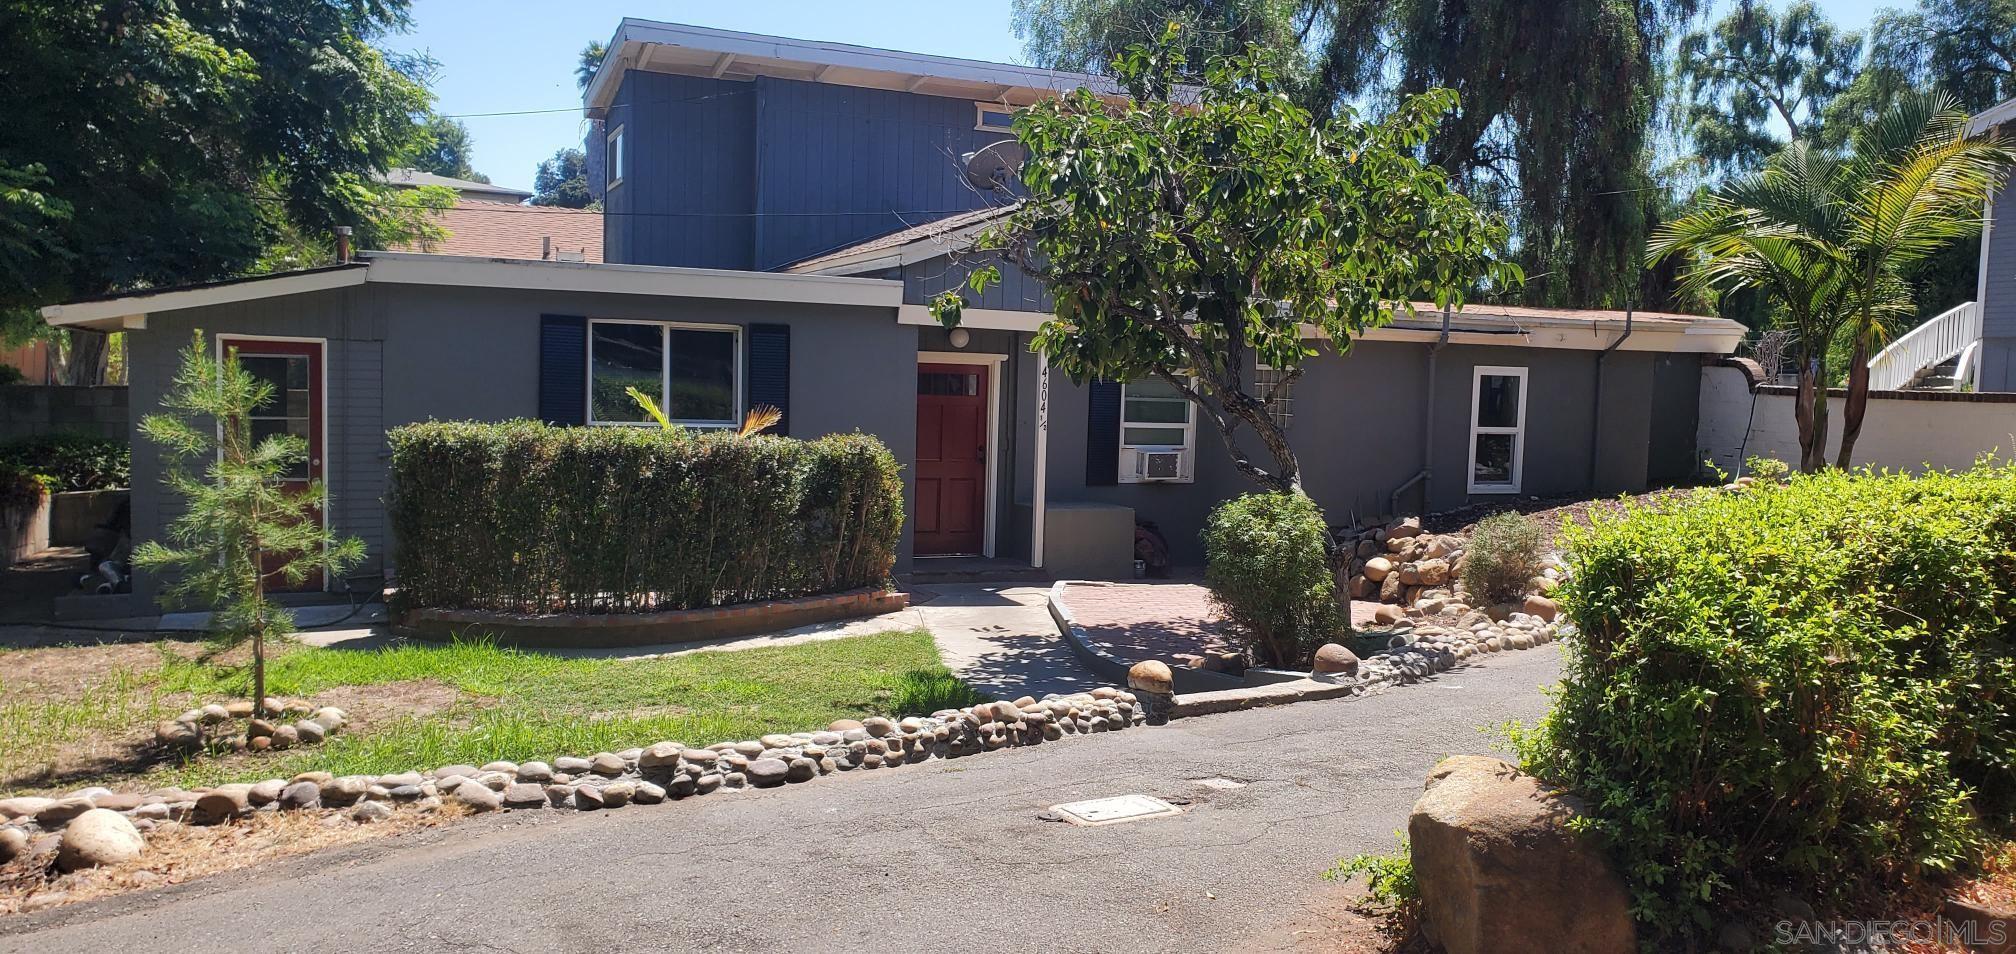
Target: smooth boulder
{"type": "Point", "coordinates": [1499, 870]}
{"type": "Point", "coordinates": [98, 837]}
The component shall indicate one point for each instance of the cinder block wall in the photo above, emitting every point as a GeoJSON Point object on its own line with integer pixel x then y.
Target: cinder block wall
{"type": "Point", "coordinates": [28, 409]}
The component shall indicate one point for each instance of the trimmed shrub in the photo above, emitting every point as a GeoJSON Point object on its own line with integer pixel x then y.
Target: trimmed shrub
{"type": "Point", "coordinates": [1503, 554]}
{"type": "Point", "coordinates": [76, 461]}
{"type": "Point", "coordinates": [1804, 687]}
{"type": "Point", "coordinates": [520, 517]}
{"type": "Point", "coordinates": [1269, 574]}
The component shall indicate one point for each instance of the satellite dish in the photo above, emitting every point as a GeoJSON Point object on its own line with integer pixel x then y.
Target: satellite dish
{"type": "Point", "coordinates": [994, 165]}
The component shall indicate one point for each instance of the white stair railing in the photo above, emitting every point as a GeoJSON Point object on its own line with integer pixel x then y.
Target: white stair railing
{"type": "Point", "coordinates": [1924, 347]}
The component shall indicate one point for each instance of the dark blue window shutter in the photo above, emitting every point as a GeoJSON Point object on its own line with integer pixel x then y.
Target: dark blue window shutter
{"type": "Point", "coordinates": [563, 369]}
{"type": "Point", "coordinates": [1102, 434]}
{"type": "Point", "coordinates": [770, 371]}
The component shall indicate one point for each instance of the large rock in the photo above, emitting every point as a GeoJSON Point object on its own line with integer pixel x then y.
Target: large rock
{"type": "Point", "coordinates": [1377, 568]}
{"type": "Point", "coordinates": [13, 844]}
{"type": "Point", "coordinates": [1499, 870]}
{"type": "Point", "coordinates": [100, 836]}
{"type": "Point", "coordinates": [1333, 658]}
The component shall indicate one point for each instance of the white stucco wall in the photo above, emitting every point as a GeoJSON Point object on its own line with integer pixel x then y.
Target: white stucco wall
{"type": "Point", "coordinates": [1897, 433]}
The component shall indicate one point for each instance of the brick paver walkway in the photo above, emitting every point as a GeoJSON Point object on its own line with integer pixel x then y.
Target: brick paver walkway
{"type": "Point", "coordinates": [1159, 619]}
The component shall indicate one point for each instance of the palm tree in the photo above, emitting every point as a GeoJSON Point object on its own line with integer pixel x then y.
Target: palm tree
{"type": "Point", "coordinates": [1828, 239]}
{"type": "Point", "coordinates": [591, 60]}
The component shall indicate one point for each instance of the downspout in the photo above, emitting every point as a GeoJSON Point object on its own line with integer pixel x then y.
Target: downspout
{"type": "Point", "coordinates": [1596, 398]}
{"type": "Point", "coordinates": [1428, 431]}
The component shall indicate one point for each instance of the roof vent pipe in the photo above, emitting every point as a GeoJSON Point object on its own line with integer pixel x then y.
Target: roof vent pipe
{"type": "Point", "coordinates": [1427, 432]}
{"type": "Point", "coordinates": [342, 245]}
{"type": "Point", "coordinates": [1596, 398]}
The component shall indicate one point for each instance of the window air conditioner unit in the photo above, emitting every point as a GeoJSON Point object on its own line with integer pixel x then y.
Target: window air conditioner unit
{"type": "Point", "coordinates": [1159, 465]}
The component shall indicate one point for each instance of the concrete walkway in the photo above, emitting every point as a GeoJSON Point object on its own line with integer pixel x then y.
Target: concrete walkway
{"type": "Point", "coordinates": [1000, 639]}
{"type": "Point", "coordinates": [942, 856]}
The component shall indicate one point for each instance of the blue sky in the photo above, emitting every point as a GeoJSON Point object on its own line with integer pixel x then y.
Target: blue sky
{"type": "Point", "coordinates": [514, 55]}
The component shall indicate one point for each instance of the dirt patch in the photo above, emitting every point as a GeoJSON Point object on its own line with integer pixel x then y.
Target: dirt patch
{"type": "Point", "coordinates": [36, 674]}
{"type": "Point", "coordinates": [179, 853]}
{"type": "Point", "coordinates": [1550, 512]}
{"type": "Point", "coordinates": [1334, 921]}
{"type": "Point", "coordinates": [372, 705]}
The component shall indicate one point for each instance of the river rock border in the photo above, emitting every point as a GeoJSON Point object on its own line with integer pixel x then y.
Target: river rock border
{"type": "Point", "coordinates": [48, 831]}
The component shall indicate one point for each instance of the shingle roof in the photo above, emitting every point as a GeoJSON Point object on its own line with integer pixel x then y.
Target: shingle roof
{"type": "Point", "coordinates": [415, 178]}
{"type": "Point", "coordinates": [901, 237]}
{"type": "Point", "coordinates": [490, 230]}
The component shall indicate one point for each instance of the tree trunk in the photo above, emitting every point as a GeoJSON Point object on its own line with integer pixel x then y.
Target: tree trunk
{"type": "Point", "coordinates": [259, 635]}
{"type": "Point", "coordinates": [1857, 404]}
{"type": "Point", "coordinates": [84, 358]}
{"type": "Point", "coordinates": [1810, 413]}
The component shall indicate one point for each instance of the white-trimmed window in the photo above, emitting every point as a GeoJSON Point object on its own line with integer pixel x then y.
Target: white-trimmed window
{"type": "Point", "coordinates": [1497, 429]}
{"type": "Point", "coordinates": [695, 372]}
{"type": "Point", "coordinates": [993, 117]}
{"type": "Point", "coordinates": [1156, 421]}
{"type": "Point", "coordinates": [617, 162]}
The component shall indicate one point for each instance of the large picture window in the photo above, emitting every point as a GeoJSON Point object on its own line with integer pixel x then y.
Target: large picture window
{"type": "Point", "coordinates": [692, 370]}
{"type": "Point", "coordinates": [1497, 430]}
{"type": "Point", "coordinates": [1155, 418]}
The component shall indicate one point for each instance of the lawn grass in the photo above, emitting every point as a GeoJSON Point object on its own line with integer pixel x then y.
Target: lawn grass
{"type": "Point", "coordinates": [507, 704]}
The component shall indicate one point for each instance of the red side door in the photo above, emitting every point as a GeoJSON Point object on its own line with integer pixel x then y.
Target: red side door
{"type": "Point", "coordinates": [295, 370]}
{"type": "Point", "coordinates": [951, 508]}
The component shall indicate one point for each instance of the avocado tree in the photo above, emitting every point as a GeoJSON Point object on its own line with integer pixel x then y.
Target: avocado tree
{"type": "Point", "coordinates": [1190, 229]}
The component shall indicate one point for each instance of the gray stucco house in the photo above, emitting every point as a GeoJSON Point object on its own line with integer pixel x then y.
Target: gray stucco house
{"type": "Point", "coordinates": [778, 213]}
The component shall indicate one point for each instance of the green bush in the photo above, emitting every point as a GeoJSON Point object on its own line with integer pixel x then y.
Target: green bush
{"type": "Point", "coordinates": [523, 518]}
{"type": "Point", "coordinates": [1503, 554]}
{"type": "Point", "coordinates": [76, 461]}
{"type": "Point", "coordinates": [21, 488]}
{"type": "Point", "coordinates": [1804, 687]}
{"type": "Point", "coordinates": [1269, 574]}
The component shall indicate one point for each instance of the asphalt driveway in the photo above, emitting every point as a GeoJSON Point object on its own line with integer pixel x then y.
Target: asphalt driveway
{"type": "Point", "coordinates": [943, 856]}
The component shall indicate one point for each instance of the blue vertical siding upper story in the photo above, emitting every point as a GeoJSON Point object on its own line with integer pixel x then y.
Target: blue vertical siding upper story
{"type": "Point", "coordinates": [689, 189]}
{"type": "Point", "coordinates": [759, 174]}
{"type": "Point", "coordinates": [1017, 291]}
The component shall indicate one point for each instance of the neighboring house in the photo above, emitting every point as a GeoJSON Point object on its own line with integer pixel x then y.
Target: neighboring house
{"type": "Point", "coordinates": [492, 221]}
{"type": "Point", "coordinates": [539, 233]}
{"type": "Point", "coordinates": [466, 190]}
{"type": "Point", "coordinates": [780, 212]}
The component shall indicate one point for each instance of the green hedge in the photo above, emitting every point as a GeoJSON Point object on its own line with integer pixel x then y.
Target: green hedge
{"type": "Point", "coordinates": [76, 461]}
{"type": "Point", "coordinates": [524, 518]}
{"type": "Point", "coordinates": [1806, 687]}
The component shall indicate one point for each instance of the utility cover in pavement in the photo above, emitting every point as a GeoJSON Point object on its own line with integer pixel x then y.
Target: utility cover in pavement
{"type": "Point", "coordinates": [1119, 808]}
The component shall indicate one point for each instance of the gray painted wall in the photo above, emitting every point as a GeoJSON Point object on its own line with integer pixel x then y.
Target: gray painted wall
{"type": "Point", "coordinates": [1359, 429]}
{"type": "Point", "coordinates": [401, 354]}
{"type": "Point", "coordinates": [758, 174]}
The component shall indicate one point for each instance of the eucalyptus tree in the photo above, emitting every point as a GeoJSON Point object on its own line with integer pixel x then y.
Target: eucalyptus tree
{"type": "Point", "coordinates": [1190, 231]}
{"type": "Point", "coordinates": [1552, 128]}
{"type": "Point", "coordinates": [1757, 71]}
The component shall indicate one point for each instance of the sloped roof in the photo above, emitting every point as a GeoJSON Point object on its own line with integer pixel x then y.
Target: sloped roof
{"type": "Point", "coordinates": [951, 233]}
{"type": "Point", "coordinates": [414, 178]}
{"type": "Point", "coordinates": [492, 230]}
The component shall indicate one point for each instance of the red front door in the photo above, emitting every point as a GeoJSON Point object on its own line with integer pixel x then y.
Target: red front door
{"type": "Point", "coordinates": [294, 369]}
{"type": "Point", "coordinates": [951, 458]}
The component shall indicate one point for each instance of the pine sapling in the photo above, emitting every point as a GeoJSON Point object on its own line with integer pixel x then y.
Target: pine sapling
{"type": "Point", "coordinates": [242, 527]}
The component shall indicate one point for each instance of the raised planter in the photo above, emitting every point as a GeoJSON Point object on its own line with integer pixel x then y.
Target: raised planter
{"type": "Point", "coordinates": [599, 630]}
{"type": "Point", "coordinates": [74, 514]}
{"type": "Point", "coordinates": [24, 529]}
